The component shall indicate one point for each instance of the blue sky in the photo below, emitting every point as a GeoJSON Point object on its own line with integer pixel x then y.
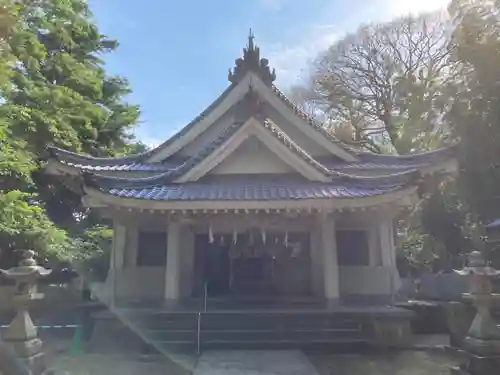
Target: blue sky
{"type": "Point", "coordinates": [176, 54]}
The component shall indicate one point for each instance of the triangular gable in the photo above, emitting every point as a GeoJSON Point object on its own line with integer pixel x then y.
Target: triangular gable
{"type": "Point", "coordinates": [252, 157]}
{"type": "Point", "coordinates": [213, 113]}
{"type": "Point", "coordinates": [248, 83]}
{"type": "Point", "coordinates": [254, 128]}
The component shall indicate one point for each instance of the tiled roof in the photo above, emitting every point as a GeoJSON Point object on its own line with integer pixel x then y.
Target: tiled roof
{"type": "Point", "coordinates": [193, 122]}
{"type": "Point", "coordinates": [280, 135]}
{"type": "Point", "coordinates": [137, 162]}
{"type": "Point", "coordinates": [70, 157]}
{"type": "Point", "coordinates": [173, 171]}
{"type": "Point", "coordinates": [179, 170]}
{"type": "Point", "coordinates": [132, 162]}
{"type": "Point", "coordinates": [368, 161]}
{"type": "Point", "coordinates": [253, 190]}
{"type": "Point", "coordinates": [318, 126]}
{"type": "Point", "coordinates": [171, 168]}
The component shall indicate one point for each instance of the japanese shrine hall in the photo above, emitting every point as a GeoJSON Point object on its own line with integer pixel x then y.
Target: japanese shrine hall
{"type": "Point", "coordinates": [253, 199]}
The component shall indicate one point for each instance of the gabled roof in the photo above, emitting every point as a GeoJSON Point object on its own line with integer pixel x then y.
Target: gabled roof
{"type": "Point", "coordinates": [251, 72]}
{"type": "Point", "coordinates": [250, 188]}
{"type": "Point", "coordinates": [168, 176]}
{"type": "Point", "coordinates": [367, 162]}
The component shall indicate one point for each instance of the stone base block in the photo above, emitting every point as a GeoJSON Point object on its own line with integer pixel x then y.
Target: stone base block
{"type": "Point", "coordinates": [393, 333]}
{"type": "Point", "coordinates": [478, 365]}
{"type": "Point", "coordinates": [12, 363]}
{"type": "Point", "coordinates": [36, 363]}
{"type": "Point", "coordinates": [111, 334]}
{"type": "Point", "coordinates": [459, 318]}
{"type": "Point", "coordinates": [25, 348]}
{"type": "Point", "coordinates": [482, 347]}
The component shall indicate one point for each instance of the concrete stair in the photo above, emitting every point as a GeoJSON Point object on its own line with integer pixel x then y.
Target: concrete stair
{"type": "Point", "coordinates": [167, 331]}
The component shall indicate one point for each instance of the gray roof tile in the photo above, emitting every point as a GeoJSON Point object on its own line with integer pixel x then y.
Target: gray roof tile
{"type": "Point", "coordinates": [249, 191]}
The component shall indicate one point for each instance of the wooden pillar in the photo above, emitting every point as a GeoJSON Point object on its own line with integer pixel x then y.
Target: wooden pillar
{"type": "Point", "coordinates": [187, 262]}
{"type": "Point", "coordinates": [118, 247]}
{"type": "Point", "coordinates": [388, 252]}
{"type": "Point", "coordinates": [173, 269]}
{"type": "Point", "coordinates": [386, 242]}
{"type": "Point", "coordinates": [117, 262]}
{"type": "Point", "coordinates": [316, 249]}
{"type": "Point", "coordinates": [330, 264]}
{"type": "Point", "coordinates": [375, 258]}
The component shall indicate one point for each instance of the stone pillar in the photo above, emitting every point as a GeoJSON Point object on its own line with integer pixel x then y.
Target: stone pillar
{"type": "Point", "coordinates": [173, 269]}
{"type": "Point", "coordinates": [330, 264]}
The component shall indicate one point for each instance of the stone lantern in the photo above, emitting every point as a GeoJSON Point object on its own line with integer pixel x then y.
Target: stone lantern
{"type": "Point", "coordinates": [21, 338]}
{"type": "Point", "coordinates": [482, 344]}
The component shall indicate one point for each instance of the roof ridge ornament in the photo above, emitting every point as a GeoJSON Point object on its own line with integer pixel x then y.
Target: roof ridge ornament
{"type": "Point", "coordinates": [251, 61]}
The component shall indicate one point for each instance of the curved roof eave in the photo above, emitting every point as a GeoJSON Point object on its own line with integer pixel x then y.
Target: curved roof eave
{"type": "Point", "coordinates": [95, 198]}
{"type": "Point", "coordinates": [57, 152]}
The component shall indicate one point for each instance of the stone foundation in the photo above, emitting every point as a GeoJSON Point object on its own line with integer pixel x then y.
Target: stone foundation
{"type": "Point", "coordinates": [459, 317]}
{"type": "Point", "coordinates": [391, 332]}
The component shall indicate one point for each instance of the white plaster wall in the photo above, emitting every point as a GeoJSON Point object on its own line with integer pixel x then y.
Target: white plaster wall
{"type": "Point", "coordinates": [252, 157]}
{"type": "Point", "coordinates": [134, 283]}
{"type": "Point", "coordinates": [365, 280]}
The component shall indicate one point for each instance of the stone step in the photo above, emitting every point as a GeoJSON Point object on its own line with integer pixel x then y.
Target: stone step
{"type": "Point", "coordinates": [249, 335]}
{"type": "Point", "coordinates": [168, 332]}
{"type": "Point", "coordinates": [248, 321]}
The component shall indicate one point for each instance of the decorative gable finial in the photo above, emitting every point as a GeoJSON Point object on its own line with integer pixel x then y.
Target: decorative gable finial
{"type": "Point", "coordinates": [251, 61]}
{"type": "Point", "coordinates": [251, 37]}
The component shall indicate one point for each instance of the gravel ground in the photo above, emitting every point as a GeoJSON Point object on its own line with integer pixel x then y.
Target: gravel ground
{"type": "Point", "coordinates": [122, 363]}
{"type": "Point", "coordinates": [401, 363]}
{"type": "Point", "coordinates": [95, 364]}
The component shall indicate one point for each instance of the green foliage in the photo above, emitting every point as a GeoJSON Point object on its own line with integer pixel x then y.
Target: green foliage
{"type": "Point", "coordinates": [475, 114]}
{"type": "Point", "coordinates": [54, 91]}
{"type": "Point", "coordinates": [408, 85]}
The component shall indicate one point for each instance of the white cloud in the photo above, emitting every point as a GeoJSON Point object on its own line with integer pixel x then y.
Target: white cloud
{"type": "Point", "coordinates": [152, 141]}
{"type": "Point", "coordinates": [290, 60]}
{"type": "Point", "coordinates": [272, 5]}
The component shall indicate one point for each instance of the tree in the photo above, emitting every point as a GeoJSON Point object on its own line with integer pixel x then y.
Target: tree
{"type": "Point", "coordinates": [8, 20]}
{"type": "Point", "coordinates": [57, 92]}
{"type": "Point", "coordinates": [386, 87]}
{"type": "Point", "coordinates": [475, 113]}
{"type": "Point", "coordinates": [384, 78]}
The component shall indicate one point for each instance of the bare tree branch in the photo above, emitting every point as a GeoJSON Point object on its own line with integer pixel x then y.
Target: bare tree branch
{"type": "Point", "coordinates": [384, 79]}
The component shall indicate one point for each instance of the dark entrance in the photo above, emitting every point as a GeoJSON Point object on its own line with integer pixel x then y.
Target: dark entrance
{"type": "Point", "coordinates": [213, 262]}
{"type": "Point", "coordinates": [253, 267]}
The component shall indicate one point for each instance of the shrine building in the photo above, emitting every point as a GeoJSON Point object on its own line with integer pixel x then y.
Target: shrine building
{"type": "Point", "coordinates": [252, 200]}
